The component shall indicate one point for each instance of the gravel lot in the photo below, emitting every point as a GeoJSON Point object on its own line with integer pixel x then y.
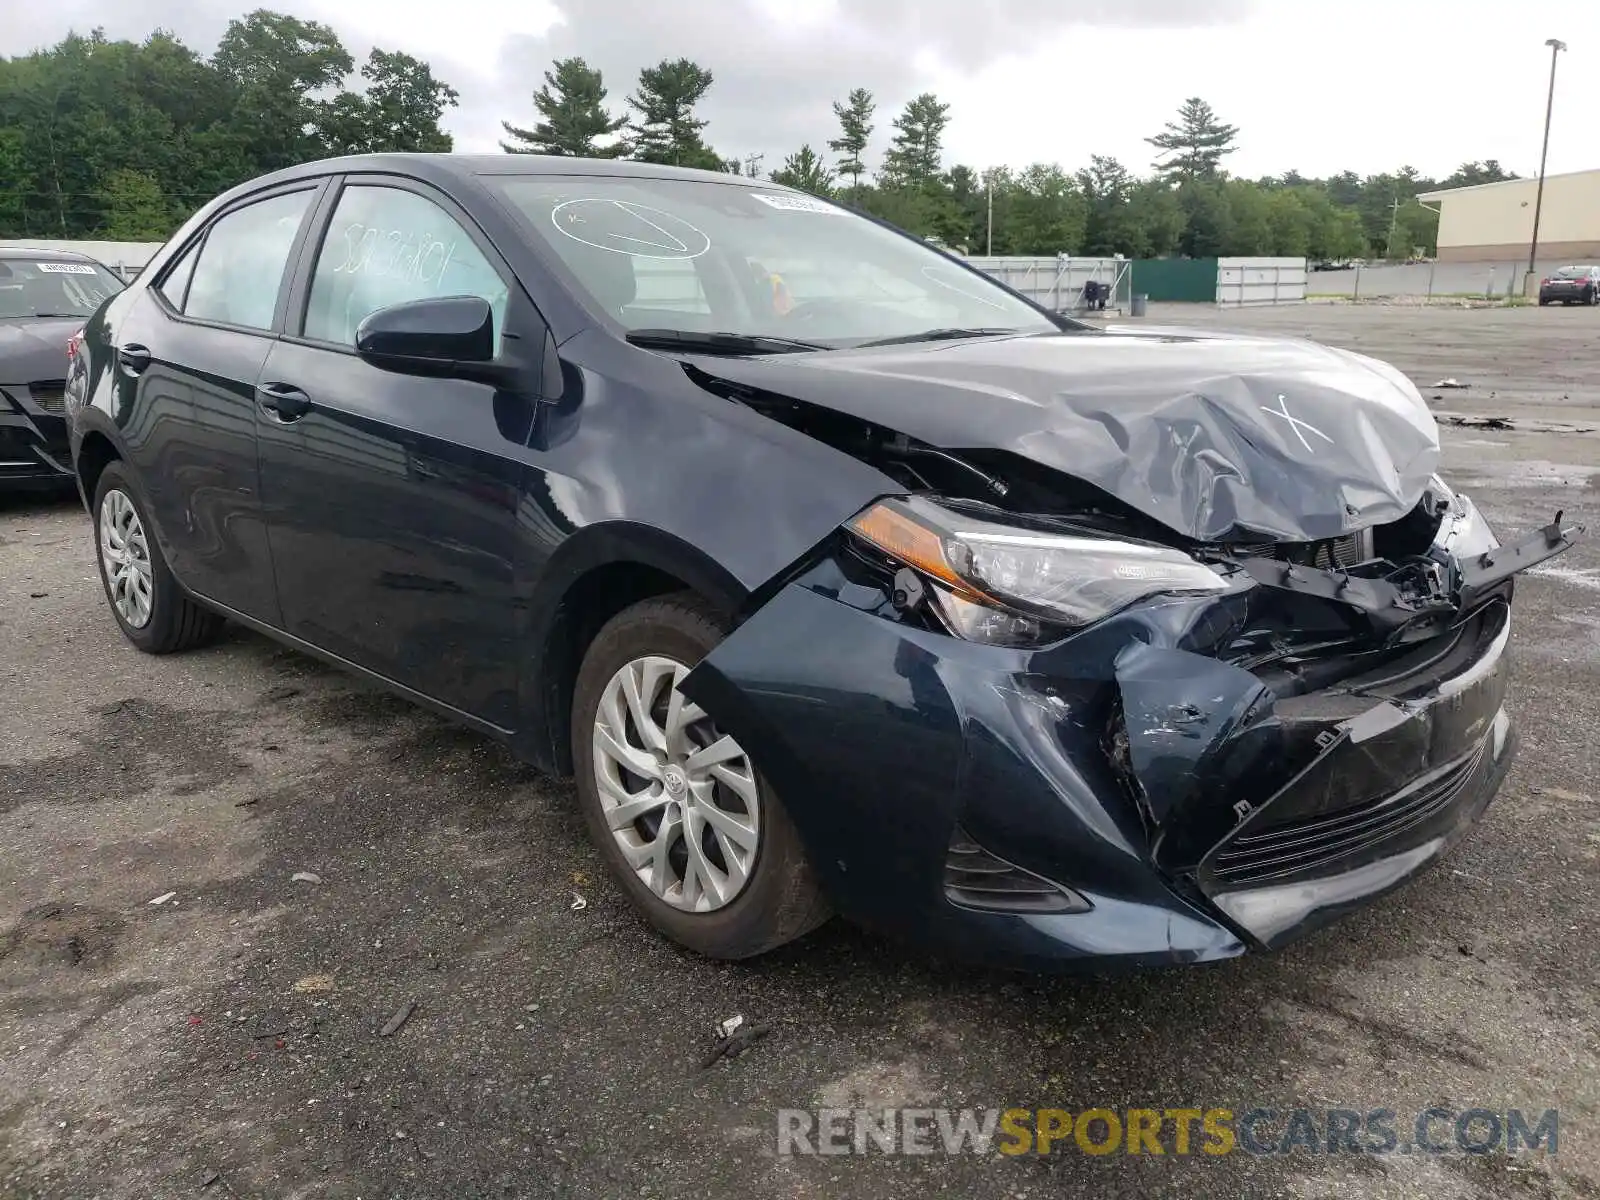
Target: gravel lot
{"type": "Point", "coordinates": [230, 1035]}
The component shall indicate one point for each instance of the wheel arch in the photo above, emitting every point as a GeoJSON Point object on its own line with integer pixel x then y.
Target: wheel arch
{"type": "Point", "coordinates": [95, 452]}
{"type": "Point", "coordinates": [594, 575]}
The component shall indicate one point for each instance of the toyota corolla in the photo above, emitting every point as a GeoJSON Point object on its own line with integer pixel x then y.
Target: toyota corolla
{"type": "Point", "coordinates": [842, 578]}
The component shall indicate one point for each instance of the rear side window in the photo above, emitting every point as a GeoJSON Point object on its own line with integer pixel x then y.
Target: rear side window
{"type": "Point", "coordinates": [386, 246]}
{"type": "Point", "coordinates": [175, 287]}
{"type": "Point", "coordinates": [240, 266]}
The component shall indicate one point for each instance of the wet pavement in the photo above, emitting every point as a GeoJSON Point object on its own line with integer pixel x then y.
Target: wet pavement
{"type": "Point", "coordinates": [227, 1040]}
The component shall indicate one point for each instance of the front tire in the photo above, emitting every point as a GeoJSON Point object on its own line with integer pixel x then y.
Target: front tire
{"type": "Point", "coordinates": [690, 829]}
{"type": "Point", "coordinates": [153, 611]}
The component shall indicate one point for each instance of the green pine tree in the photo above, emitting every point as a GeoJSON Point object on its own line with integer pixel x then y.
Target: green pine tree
{"type": "Point", "coordinates": [572, 105]}
{"type": "Point", "coordinates": [1193, 145]}
{"type": "Point", "coordinates": [666, 129]}
{"type": "Point", "coordinates": [855, 130]}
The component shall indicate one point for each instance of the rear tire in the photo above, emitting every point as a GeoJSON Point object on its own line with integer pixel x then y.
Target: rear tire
{"type": "Point", "coordinates": [748, 887]}
{"type": "Point", "coordinates": [154, 613]}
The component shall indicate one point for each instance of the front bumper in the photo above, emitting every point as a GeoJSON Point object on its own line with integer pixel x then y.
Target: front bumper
{"type": "Point", "coordinates": [888, 741]}
{"type": "Point", "coordinates": [33, 441]}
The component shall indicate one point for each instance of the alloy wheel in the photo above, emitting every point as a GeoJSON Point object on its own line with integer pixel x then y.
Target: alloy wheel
{"type": "Point", "coordinates": [679, 796]}
{"type": "Point", "coordinates": [125, 555]}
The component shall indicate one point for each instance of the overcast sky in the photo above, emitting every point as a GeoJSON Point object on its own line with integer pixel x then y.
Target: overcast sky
{"type": "Point", "coordinates": [1314, 85]}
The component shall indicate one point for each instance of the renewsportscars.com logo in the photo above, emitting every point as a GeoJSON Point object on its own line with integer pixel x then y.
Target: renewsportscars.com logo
{"type": "Point", "coordinates": [1163, 1131]}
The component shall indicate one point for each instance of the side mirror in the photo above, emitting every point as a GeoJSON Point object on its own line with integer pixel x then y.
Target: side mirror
{"type": "Point", "coordinates": [447, 335]}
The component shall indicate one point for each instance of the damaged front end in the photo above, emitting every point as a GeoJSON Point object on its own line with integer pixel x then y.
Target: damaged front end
{"type": "Point", "coordinates": [1043, 732]}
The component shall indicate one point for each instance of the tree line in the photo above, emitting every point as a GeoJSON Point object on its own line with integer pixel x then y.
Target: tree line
{"type": "Point", "coordinates": [122, 140]}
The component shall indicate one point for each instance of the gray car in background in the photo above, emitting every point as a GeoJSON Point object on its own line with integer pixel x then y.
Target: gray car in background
{"type": "Point", "coordinates": [45, 297]}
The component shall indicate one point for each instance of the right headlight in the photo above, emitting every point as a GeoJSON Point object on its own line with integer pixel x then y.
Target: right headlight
{"type": "Point", "coordinates": [1011, 586]}
{"type": "Point", "coordinates": [1462, 530]}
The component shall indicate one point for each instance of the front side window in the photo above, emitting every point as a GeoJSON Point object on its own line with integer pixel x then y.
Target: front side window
{"type": "Point", "coordinates": [53, 288]}
{"type": "Point", "coordinates": [386, 246]}
{"type": "Point", "coordinates": [762, 262]}
{"type": "Point", "coordinates": [237, 276]}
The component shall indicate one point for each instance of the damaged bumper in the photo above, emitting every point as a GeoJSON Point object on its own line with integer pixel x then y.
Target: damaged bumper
{"type": "Point", "coordinates": [1113, 797]}
{"type": "Point", "coordinates": [33, 438]}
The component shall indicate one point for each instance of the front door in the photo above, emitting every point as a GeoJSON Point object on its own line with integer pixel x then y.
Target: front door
{"type": "Point", "coordinates": [192, 350]}
{"type": "Point", "coordinates": [392, 499]}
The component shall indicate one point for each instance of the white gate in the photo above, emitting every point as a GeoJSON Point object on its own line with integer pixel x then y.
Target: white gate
{"type": "Point", "coordinates": [1247, 281]}
{"type": "Point", "coordinates": [1057, 283]}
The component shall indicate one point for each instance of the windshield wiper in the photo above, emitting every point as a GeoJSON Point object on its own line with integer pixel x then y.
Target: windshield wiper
{"type": "Point", "coordinates": [937, 335]}
{"type": "Point", "coordinates": [717, 343]}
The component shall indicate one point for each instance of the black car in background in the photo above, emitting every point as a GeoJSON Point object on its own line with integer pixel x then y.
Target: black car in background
{"type": "Point", "coordinates": [841, 577]}
{"type": "Point", "coordinates": [1571, 285]}
{"type": "Point", "coordinates": [45, 296]}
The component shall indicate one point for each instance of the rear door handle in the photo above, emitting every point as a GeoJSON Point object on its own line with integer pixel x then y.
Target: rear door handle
{"type": "Point", "coordinates": [289, 402]}
{"type": "Point", "coordinates": [133, 358]}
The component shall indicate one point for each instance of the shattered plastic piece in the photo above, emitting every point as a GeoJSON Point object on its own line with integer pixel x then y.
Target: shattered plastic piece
{"type": "Point", "coordinates": [735, 1044]}
{"type": "Point", "coordinates": [1451, 383]}
{"type": "Point", "coordinates": [305, 877]}
{"type": "Point", "coordinates": [578, 903]}
{"type": "Point", "coordinates": [163, 898]}
{"type": "Point", "coordinates": [401, 1016]}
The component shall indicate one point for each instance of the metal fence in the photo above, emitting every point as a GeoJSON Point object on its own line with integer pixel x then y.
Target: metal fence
{"type": "Point", "coordinates": [1428, 281]}
{"type": "Point", "coordinates": [1058, 283]}
{"type": "Point", "coordinates": [1247, 282]}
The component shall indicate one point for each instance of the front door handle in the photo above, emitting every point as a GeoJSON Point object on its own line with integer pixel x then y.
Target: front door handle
{"type": "Point", "coordinates": [289, 402]}
{"type": "Point", "coordinates": [133, 358]}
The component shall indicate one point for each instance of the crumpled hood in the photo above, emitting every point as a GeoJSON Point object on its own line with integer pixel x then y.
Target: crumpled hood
{"type": "Point", "coordinates": [34, 349]}
{"type": "Point", "coordinates": [1220, 437]}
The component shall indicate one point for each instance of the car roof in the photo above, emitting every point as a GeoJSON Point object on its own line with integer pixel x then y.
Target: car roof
{"type": "Point", "coordinates": [39, 252]}
{"type": "Point", "coordinates": [441, 167]}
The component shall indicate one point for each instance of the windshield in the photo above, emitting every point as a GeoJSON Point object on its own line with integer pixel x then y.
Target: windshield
{"type": "Point", "coordinates": [1573, 273]}
{"type": "Point", "coordinates": [39, 288]}
{"type": "Point", "coordinates": [674, 254]}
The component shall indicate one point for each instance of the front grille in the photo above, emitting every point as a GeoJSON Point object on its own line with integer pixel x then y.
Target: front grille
{"type": "Point", "coordinates": [974, 878]}
{"type": "Point", "coordinates": [1307, 846]}
{"type": "Point", "coordinates": [1330, 555]}
{"type": "Point", "coordinates": [50, 395]}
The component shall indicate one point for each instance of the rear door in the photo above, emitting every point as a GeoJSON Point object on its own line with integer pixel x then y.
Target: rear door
{"type": "Point", "coordinates": [393, 498]}
{"type": "Point", "coordinates": [188, 358]}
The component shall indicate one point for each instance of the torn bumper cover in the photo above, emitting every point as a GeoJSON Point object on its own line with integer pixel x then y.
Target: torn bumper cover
{"type": "Point", "coordinates": [1117, 796]}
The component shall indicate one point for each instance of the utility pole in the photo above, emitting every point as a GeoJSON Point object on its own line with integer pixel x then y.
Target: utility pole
{"type": "Point", "coordinates": [989, 236]}
{"type": "Point", "coordinates": [1394, 220]}
{"type": "Point", "coordinates": [1556, 47]}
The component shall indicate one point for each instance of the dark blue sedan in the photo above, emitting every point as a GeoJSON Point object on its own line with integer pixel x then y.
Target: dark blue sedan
{"type": "Point", "coordinates": [840, 576]}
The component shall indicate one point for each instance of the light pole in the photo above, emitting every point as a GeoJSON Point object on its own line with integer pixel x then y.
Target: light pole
{"type": "Point", "coordinates": [988, 248]}
{"type": "Point", "coordinates": [1556, 47]}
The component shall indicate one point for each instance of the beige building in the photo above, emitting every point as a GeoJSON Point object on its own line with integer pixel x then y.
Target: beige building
{"type": "Point", "coordinates": [1495, 220]}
